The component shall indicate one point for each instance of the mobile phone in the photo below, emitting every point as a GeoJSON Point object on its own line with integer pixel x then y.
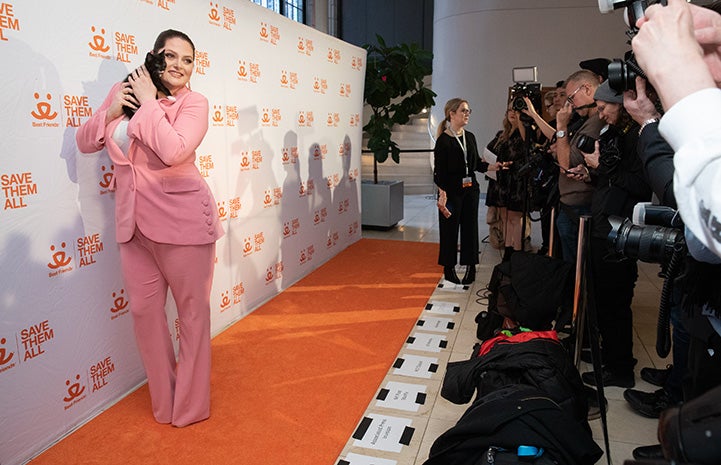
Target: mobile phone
{"type": "Point", "coordinates": [563, 170]}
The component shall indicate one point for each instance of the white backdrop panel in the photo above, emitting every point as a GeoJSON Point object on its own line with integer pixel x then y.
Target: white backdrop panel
{"type": "Point", "coordinates": [282, 156]}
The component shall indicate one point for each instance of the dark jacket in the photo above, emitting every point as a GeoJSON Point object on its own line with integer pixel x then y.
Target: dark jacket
{"type": "Point", "coordinates": [538, 360]}
{"type": "Point", "coordinates": [512, 416]}
{"type": "Point", "coordinates": [657, 158]}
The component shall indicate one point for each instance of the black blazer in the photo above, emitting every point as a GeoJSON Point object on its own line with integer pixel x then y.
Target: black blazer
{"type": "Point", "coordinates": [450, 165]}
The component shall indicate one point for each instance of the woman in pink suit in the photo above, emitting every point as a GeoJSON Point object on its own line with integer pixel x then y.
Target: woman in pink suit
{"type": "Point", "coordinates": [166, 223]}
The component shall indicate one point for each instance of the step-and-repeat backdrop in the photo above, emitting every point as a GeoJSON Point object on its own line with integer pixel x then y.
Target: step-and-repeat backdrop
{"type": "Point", "coordinates": [282, 156]}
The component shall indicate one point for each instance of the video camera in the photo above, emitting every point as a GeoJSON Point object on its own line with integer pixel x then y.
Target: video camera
{"type": "Point", "coordinates": [522, 89]}
{"type": "Point", "coordinates": [622, 72]}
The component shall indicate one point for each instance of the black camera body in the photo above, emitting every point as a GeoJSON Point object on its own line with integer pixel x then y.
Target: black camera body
{"type": "Point", "coordinates": [155, 64]}
{"type": "Point", "coordinates": [521, 90]}
{"type": "Point", "coordinates": [622, 72]}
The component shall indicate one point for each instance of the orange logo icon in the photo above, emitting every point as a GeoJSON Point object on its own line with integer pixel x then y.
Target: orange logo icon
{"type": "Point", "coordinates": [263, 30]}
{"type": "Point", "coordinates": [43, 109]}
{"type": "Point", "coordinates": [213, 15]}
{"type": "Point", "coordinates": [224, 301]}
{"type": "Point", "coordinates": [217, 115]}
{"type": "Point", "coordinates": [107, 179]}
{"type": "Point", "coordinates": [75, 390]}
{"type": "Point", "coordinates": [242, 71]}
{"type": "Point", "coordinates": [5, 356]}
{"type": "Point", "coordinates": [60, 258]}
{"type": "Point", "coordinates": [222, 212]}
{"type": "Point", "coordinates": [269, 274]}
{"type": "Point", "coordinates": [247, 245]}
{"type": "Point", "coordinates": [98, 43]}
{"type": "Point", "coordinates": [119, 302]}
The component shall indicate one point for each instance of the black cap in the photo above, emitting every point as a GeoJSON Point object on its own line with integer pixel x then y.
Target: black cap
{"type": "Point", "coordinates": [597, 65]}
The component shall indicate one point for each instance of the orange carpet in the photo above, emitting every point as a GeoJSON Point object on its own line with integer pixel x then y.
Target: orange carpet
{"type": "Point", "coordinates": [291, 380]}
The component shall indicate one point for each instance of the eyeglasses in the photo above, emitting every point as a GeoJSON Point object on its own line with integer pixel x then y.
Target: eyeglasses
{"type": "Point", "coordinates": [569, 99]}
{"type": "Point", "coordinates": [466, 111]}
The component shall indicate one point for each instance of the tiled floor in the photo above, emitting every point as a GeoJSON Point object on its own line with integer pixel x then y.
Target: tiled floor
{"type": "Point", "coordinates": [401, 429]}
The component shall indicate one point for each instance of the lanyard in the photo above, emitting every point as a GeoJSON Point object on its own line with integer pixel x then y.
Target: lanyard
{"type": "Point", "coordinates": [464, 148]}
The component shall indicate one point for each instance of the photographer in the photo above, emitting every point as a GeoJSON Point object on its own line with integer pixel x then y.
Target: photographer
{"type": "Point", "coordinates": [678, 47]}
{"type": "Point", "coordinates": [575, 194]}
{"type": "Point", "coordinates": [619, 183]}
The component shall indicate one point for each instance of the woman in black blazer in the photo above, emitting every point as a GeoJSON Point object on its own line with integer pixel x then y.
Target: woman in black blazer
{"type": "Point", "coordinates": [456, 159]}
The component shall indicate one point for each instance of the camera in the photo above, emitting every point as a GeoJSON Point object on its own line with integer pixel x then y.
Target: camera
{"type": "Point", "coordinates": [622, 72]}
{"type": "Point", "coordinates": [586, 144]}
{"type": "Point", "coordinates": [655, 240]}
{"type": "Point", "coordinates": [521, 90]}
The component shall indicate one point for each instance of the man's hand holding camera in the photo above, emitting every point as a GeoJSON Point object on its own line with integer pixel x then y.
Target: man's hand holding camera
{"type": "Point", "coordinates": [667, 49]}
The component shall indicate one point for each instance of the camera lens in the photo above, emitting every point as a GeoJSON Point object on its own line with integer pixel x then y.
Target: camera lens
{"type": "Point", "coordinates": [651, 244]}
{"type": "Point", "coordinates": [519, 104]}
{"type": "Point", "coordinates": [620, 76]}
{"type": "Point", "coordinates": [586, 144]}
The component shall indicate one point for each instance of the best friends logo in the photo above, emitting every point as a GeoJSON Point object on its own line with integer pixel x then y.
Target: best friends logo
{"type": "Point", "coordinates": [8, 21]}
{"type": "Point", "coordinates": [274, 272]}
{"type": "Point", "coordinates": [221, 17]}
{"type": "Point", "coordinates": [43, 113]}
{"type": "Point", "coordinates": [120, 304]}
{"type": "Point", "coordinates": [290, 155]}
{"type": "Point", "coordinates": [269, 34]}
{"type": "Point", "coordinates": [305, 119]}
{"type": "Point", "coordinates": [248, 71]}
{"type": "Point", "coordinates": [87, 247]}
{"type": "Point", "coordinates": [98, 44]}
{"type": "Point", "coordinates": [270, 117]}
{"type": "Point", "coordinates": [6, 356]}
{"type": "Point", "coordinates": [305, 46]}
{"type": "Point", "coordinates": [16, 187]}
{"type": "Point", "coordinates": [75, 391]}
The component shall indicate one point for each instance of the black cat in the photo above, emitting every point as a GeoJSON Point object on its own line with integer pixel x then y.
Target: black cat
{"type": "Point", "coordinates": [155, 64]}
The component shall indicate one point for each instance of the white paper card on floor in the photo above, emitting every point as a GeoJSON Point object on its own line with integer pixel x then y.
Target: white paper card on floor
{"type": "Point", "coordinates": [383, 432]}
{"type": "Point", "coordinates": [436, 324]}
{"type": "Point", "coordinates": [402, 396]}
{"type": "Point", "coordinates": [357, 459]}
{"type": "Point", "coordinates": [442, 308]}
{"type": "Point", "coordinates": [426, 342]}
{"type": "Point", "coordinates": [415, 366]}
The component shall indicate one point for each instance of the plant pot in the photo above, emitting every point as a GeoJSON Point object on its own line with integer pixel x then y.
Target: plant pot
{"type": "Point", "coordinates": [382, 203]}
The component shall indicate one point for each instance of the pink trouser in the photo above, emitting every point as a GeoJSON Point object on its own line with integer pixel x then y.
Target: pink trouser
{"type": "Point", "coordinates": [179, 391]}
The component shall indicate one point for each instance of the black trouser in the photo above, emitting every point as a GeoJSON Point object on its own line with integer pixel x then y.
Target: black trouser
{"type": "Point", "coordinates": [613, 284]}
{"type": "Point", "coordinates": [464, 215]}
{"type": "Point", "coordinates": [704, 359]}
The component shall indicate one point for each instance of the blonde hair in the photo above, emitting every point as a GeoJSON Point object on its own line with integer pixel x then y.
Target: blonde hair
{"type": "Point", "coordinates": [451, 106]}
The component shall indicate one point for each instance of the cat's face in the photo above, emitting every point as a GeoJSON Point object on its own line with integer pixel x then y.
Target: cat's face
{"type": "Point", "coordinates": [179, 64]}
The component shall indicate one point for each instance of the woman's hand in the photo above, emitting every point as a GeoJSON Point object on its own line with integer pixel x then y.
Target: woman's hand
{"type": "Point", "coordinates": [142, 85]}
{"type": "Point", "coordinates": [592, 158]}
{"type": "Point", "coordinates": [123, 98]}
{"type": "Point", "coordinates": [441, 203]}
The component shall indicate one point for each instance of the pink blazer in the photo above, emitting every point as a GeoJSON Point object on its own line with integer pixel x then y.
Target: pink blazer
{"type": "Point", "coordinates": [158, 186]}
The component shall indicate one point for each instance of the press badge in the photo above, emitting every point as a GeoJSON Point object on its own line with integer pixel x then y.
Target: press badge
{"type": "Point", "coordinates": [467, 181]}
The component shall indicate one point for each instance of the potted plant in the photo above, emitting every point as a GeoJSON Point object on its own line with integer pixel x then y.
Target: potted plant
{"type": "Point", "coordinates": [394, 90]}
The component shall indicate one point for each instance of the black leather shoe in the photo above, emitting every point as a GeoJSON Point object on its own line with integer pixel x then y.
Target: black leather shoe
{"type": "Point", "coordinates": [449, 274]}
{"type": "Point", "coordinates": [610, 378]}
{"type": "Point", "coordinates": [470, 275]}
{"type": "Point", "coordinates": [656, 376]}
{"type": "Point", "coordinates": [648, 404]}
{"type": "Point", "coordinates": [648, 453]}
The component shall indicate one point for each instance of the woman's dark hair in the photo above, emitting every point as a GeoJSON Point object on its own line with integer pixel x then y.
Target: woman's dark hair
{"type": "Point", "coordinates": [170, 34]}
